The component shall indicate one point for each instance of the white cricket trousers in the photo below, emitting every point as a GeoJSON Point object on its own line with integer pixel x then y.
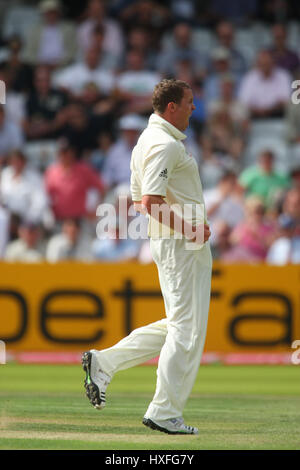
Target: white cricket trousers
{"type": "Point", "coordinates": [185, 280]}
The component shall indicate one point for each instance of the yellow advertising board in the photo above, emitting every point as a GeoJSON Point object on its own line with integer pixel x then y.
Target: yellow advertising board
{"type": "Point", "coordinates": [74, 306]}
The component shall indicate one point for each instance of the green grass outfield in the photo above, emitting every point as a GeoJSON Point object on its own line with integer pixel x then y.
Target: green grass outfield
{"type": "Point", "coordinates": [234, 407]}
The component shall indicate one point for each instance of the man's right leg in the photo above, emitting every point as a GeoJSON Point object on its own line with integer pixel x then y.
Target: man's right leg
{"type": "Point", "coordinates": [139, 346]}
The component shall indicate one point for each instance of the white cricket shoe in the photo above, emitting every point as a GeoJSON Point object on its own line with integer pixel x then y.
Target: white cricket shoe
{"type": "Point", "coordinates": [96, 381]}
{"type": "Point", "coordinates": [170, 426]}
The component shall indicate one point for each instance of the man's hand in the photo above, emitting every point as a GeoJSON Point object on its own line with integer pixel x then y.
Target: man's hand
{"type": "Point", "coordinates": [199, 234]}
{"type": "Point", "coordinates": [139, 207]}
{"type": "Point", "coordinates": [202, 234]}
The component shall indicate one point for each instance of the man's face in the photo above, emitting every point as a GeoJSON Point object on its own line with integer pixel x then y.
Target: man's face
{"type": "Point", "coordinates": [225, 34]}
{"type": "Point", "coordinates": [66, 156]}
{"type": "Point", "coordinates": [92, 57]}
{"type": "Point", "coordinates": [96, 9]}
{"type": "Point", "coordinates": [266, 162]}
{"type": "Point", "coordinates": [42, 80]}
{"type": "Point", "coordinates": [135, 61]}
{"type": "Point", "coordinates": [51, 16]}
{"type": "Point", "coordinates": [221, 65]}
{"type": "Point", "coordinates": [292, 203]}
{"type": "Point", "coordinates": [17, 163]}
{"type": "Point", "coordinates": [77, 117]}
{"type": "Point", "coordinates": [182, 35]}
{"type": "Point", "coordinates": [265, 62]}
{"type": "Point", "coordinates": [183, 110]}
{"type": "Point", "coordinates": [227, 89]}
{"type": "Point", "coordinates": [71, 231]}
{"type": "Point", "coordinates": [296, 179]}
{"type": "Point", "coordinates": [29, 235]}
{"type": "Point", "coordinates": [279, 35]}
{"type": "Point", "coordinates": [138, 39]}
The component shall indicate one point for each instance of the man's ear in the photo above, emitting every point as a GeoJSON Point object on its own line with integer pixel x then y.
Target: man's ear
{"type": "Point", "coordinates": [171, 106]}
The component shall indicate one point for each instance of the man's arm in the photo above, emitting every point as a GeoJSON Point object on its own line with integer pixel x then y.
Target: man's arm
{"type": "Point", "coordinates": [94, 180]}
{"type": "Point", "coordinates": [148, 205]}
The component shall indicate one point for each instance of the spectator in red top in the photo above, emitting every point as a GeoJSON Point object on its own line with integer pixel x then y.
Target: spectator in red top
{"type": "Point", "coordinates": [68, 182]}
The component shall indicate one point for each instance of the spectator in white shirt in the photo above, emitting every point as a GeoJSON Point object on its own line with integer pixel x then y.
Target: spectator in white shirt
{"type": "Point", "coordinates": [107, 60]}
{"type": "Point", "coordinates": [116, 169]}
{"type": "Point", "coordinates": [134, 86]}
{"type": "Point", "coordinates": [69, 244]}
{"type": "Point", "coordinates": [266, 89]}
{"type": "Point", "coordinates": [14, 101]}
{"type": "Point", "coordinates": [226, 126]}
{"type": "Point", "coordinates": [11, 135]}
{"type": "Point", "coordinates": [291, 206]}
{"type": "Point", "coordinates": [140, 38]}
{"type": "Point", "coordinates": [181, 47]}
{"type": "Point", "coordinates": [228, 102]}
{"type": "Point", "coordinates": [113, 37]}
{"type": "Point", "coordinates": [76, 77]}
{"type": "Point", "coordinates": [286, 249]}
{"type": "Point", "coordinates": [225, 36]}
{"type": "Point", "coordinates": [52, 41]}
{"type": "Point", "coordinates": [22, 189]}
{"type": "Point", "coordinates": [26, 248]}
{"type": "Point", "coordinates": [114, 248]}
{"type": "Point", "coordinates": [220, 69]}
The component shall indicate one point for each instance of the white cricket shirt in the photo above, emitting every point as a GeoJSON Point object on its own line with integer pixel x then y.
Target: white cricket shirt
{"type": "Point", "coordinates": [161, 166]}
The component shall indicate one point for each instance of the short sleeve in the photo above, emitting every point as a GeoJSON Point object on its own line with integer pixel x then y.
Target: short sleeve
{"type": "Point", "coordinates": [135, 188]}
{"type": "Point", "coordinates": [158, 168]}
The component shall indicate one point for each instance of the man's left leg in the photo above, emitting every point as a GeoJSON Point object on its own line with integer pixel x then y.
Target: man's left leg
{"type": "Point", "coordinates": [188, 277]}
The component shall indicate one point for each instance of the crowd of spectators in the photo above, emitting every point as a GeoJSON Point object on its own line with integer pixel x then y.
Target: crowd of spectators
{"type": "Point", "coordinates": [78, 93]}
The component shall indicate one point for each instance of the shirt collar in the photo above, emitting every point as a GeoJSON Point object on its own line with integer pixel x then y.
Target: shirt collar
{"type": "Point", "coordinates": [157, 121]}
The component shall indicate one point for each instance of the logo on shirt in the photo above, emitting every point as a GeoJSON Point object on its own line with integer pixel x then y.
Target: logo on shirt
{"type": "Point", "coordinates": [164, 173]}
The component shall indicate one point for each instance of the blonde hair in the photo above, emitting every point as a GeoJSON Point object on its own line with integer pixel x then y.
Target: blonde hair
{"type": "Point", "coordinates": [252, 202]}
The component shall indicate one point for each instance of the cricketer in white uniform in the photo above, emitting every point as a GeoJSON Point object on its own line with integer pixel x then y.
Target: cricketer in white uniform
{"type": "Point", "coordinates": [163, 173]}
